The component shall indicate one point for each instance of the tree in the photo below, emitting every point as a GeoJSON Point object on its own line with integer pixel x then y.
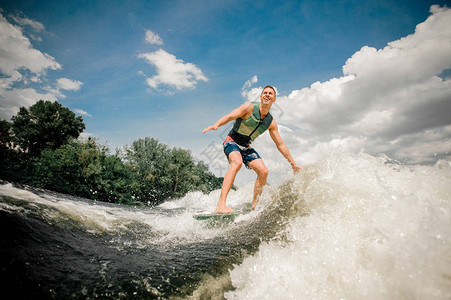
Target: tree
{"type": "Point", "coordinates": [46, 125]}
{"type": "Point", "coordinates": [180, 173]}
{"type": "Point", "coordinates": [148, 160]}
{"type": "Point", "coordinates": [83, 169]}
{"type": "Point", "coordinates": [5, 134]}
{"type": "Point", "coordinates": [160, 173]}
{"type": "Point", "coordinates": [9, 161]}
{"type": "Point", "coordinates": [60, 170]}
{"type": "Point", "coordinates": [40, 148]}
{"type": "Point", "coordinates": [207, 181]}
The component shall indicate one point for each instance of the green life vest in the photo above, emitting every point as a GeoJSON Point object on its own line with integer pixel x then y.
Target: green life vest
{"type": "Point", "coordinates": [244, 131]}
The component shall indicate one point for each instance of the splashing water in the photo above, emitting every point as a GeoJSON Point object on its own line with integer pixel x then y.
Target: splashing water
{"type": "Point", "coordinates": [347, 227]}
{"type": "Point", "coordinates": [374, 230]}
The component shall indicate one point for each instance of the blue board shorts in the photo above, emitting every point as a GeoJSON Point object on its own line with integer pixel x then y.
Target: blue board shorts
{"type": "Point", "coordinates": [248, 154]}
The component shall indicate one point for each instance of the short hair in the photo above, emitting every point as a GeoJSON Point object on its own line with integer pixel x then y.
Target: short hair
{"type": "Point", "coordinates": [271, 87]}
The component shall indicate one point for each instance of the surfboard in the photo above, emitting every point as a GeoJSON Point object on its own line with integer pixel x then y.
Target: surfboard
{"type": "Point", "coordinates": [216, 216]}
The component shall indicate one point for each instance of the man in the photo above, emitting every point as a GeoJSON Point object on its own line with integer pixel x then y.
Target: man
{"type": "Point", "coordinates": [251, 120]}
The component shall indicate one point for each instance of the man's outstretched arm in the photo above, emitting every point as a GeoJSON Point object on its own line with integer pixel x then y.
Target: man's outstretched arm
{"type": "Point", "coordinates": [233, 115]}
{"type": "Point", "coordinates": [274, 133]}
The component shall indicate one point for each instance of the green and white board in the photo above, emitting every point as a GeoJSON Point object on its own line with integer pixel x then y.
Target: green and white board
{"type": "Point", "coordinates": [222, 218]}
{"type": "Point", "coordinates": [216, 216]}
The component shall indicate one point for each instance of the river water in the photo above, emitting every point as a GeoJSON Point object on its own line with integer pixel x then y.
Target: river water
{"type": "Point", "coordinates": [347, 227]}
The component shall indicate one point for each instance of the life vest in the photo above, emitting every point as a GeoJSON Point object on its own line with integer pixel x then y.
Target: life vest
{"type": "Point", "coordinates": [245, 131]}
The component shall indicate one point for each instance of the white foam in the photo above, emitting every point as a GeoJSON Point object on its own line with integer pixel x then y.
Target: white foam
{"type": "Point", "coordinates": [173, 223]}
{"type": "Point", "coordinates": [375, 231]}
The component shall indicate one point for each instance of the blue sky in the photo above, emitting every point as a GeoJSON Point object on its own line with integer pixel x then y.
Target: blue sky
{"type": "Point", "coordinates": [93, 57]}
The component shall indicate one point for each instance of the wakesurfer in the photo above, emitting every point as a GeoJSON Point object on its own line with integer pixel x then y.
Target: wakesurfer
{"type": "Point", "coordinates": [251, 120]}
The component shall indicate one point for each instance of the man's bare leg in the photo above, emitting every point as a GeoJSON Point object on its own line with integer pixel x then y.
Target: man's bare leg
{"type": "Point", "coordinates": [236, 161]}
{"type": "Point", "coordinates": [262, 174]}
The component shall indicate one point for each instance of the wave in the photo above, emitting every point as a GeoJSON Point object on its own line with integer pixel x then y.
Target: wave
{"type": "Point", "coordinates": [349, 226]}
{"type": "Point", "coordinates": [375, 229]}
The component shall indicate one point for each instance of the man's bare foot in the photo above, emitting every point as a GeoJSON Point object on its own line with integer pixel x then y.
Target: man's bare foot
{"type": "Point", "coordinates": [223, 210]}
{"type": "Point", "coordinates": [254, 205]}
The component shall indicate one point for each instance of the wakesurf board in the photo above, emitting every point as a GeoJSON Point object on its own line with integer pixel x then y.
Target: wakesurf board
{"type": "Point", "coordinates": [216, 216]}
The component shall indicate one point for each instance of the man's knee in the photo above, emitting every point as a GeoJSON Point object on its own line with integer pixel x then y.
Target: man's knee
{"type": "Point", "coordinates": [235, 160]}
{"type": "Point", "coordinates": [236, 165]}
{"type": "Point", "coordinates": [263, 172]}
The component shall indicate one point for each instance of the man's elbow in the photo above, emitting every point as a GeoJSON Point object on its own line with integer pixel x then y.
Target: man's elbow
{"type": "Point", "coordinates": [282, 148]}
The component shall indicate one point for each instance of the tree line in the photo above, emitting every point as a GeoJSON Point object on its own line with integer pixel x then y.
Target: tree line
{"type": "Point", "coordinates": [41, 147]}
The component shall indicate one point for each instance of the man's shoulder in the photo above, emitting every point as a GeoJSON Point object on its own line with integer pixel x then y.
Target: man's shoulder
{"type": "Point", "coordinates": [270, 116]}
{"type": "Point", "coordinates": [273, 124]}
{"type": "Point", "coordinates": [248, 107]}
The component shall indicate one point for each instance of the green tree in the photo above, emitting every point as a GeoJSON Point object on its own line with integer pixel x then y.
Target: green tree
{"type": "Point", "coordinates": [8, 158]}
{"type": "Point", "coordinates": [180, 173]}
{"type": "Point", "coordinates": [15, 165]}
{"type": "Point", "coordinates": [45, 125]}
{"type": "Point", "coordinates": [105, 176]}
{"type": "Point", "coordinates": [59, 170]}
{"type": "Point", "coordinates": [148, 159]}
{"type": "Point", "coordinates": [83, 169]}
{"type": "Point", "coordinates": [5, 134]}
{"type": "Point", "coordinates": [160, 172]}
{"type": "Point", "coordinates": [40, 148]}
{"type": "Point", "coordinates": [207, 181]}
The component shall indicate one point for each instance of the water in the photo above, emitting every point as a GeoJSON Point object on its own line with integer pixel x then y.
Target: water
{"type": "Point", "coordinates": [347, 227]}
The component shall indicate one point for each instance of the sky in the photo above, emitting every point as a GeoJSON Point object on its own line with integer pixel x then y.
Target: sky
{"type": "Point", "coordinates": [353, 76]}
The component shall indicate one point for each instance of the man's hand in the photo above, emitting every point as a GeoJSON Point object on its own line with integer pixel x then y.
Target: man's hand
{"type": "Point", "coordinates": [296, 168]}
{"type": "Point", "coordinates": [213, 127]}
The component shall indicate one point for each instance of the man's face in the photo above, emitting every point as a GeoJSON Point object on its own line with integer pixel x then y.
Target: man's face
{"type": "Point", "coordinates": [268, 96]}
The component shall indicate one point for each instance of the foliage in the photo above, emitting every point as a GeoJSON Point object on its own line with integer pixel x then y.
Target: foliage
{"type": "Point", "coordinates": [5, 133]}
{"type": "Point", "coordinates": [160, 173]}
{"type": "Point", "coordinates": [14, 165]}
{"type": "Point", "coordinates": [83, 169]}
{"type": "Point", "coordinates": [46, 125]}
{"type": "Point", "coordinates": [39, 148]}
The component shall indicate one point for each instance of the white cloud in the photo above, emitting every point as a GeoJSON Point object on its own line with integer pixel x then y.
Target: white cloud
{"type": "Point", "coordinates": [172, 72]}
{"type": "Point", "coordinates": [389, 100]}
{"type": "Point", "coordinates": [250, 82]}
{"type": "Point", "coordinates": [82, 112]}
{"type": "Point", "coordinates": [13, 99]}
{"type": "Point", "coordinates": [153, 38]}
{"type": "Point", "coordinates": [63, 84]}
{"type": "Point", "coordinates": [22, 65]}
{"type": "Point", "coordinates": [68, 84]}
{"type": "Point", "coordinates": [18, 53]}
{"type": "Point", "coordinates": [84, 136]}
{"type": "Point", "coordinates": [248, 93]}
{"type": "Point", "coordinates": [37, 26]}
{"type": "Point", "coordinates": [252, 94]}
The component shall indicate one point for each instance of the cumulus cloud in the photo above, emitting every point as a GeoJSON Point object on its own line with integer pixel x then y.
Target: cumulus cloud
{"type": "Point", "coordinates": [18, 53]}
{"type": "Point", "coordinates": [13, 99]}
{"type": "Point", "coordinates": [153, 38]}
{"type": "Point", "coordinates": [63, 84]}
{"type": "Point", "coordinates": [82, 112]}
{"type": "Point", "coordinates": [21, 65]}
{"type": "Point", "coordinates": [24, 21]}
{"type": "Point", "coordinates": [84, 136]}
{"type": "Point", "coordinates": [250, 82]}
{"type": "Point", "coordinates": [390, 100]}
{"type": "Point", "coordinates": [172, 73]}
{"type": "Point", "coordinates": [253, 93]}
{"type": "Point", "coordinates": [68, 84]}
{"type": "Point", "coordinates": [248, 92]}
